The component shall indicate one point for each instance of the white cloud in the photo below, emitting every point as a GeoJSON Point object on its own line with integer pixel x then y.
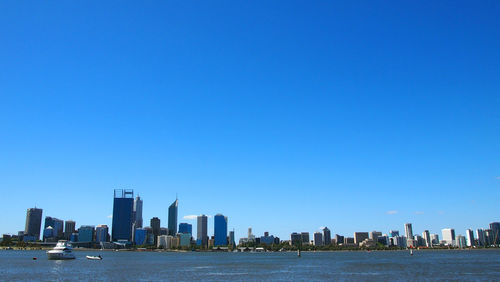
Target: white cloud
{"type": "Point", "coordinates": [110, 216]}
{"type": "Point", "coordinates": [419, 212]}
{"type": "Point", "coordinates": [392, 212]}
{"type": "Point", "coordinates": [190, 217]}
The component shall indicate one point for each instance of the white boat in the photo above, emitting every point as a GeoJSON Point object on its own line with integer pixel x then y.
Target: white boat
{"type": "Point", "coordinates": [63, 250]}
{"type": "Point", "coordinates": [94, 257]}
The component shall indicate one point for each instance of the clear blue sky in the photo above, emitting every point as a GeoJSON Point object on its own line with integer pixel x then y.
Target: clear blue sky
{"type": "Point", "coordinates": [284, 116]}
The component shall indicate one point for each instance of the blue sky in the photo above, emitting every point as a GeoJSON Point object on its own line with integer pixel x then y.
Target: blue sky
{"type": "Point", "coordinates": [282, 115]}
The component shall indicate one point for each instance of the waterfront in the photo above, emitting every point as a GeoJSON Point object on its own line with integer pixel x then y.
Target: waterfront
{"type": "Point", "coordinates": [375, 265]}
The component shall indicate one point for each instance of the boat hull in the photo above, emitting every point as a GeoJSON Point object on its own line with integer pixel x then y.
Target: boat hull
{"type": "Point", "coordinates": [60, 255]}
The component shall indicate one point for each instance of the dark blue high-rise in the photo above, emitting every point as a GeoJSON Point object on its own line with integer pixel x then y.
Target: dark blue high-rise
{"type": "Point", "coordinates": [220, 230]}
{"type": "Point", "coordinates": [185, 228]}
{"type": "Point", "coordinates": [123, 206]}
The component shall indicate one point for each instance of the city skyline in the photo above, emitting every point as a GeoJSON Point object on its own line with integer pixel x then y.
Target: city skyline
{"type": "Point", "coordinates": [282, 116]}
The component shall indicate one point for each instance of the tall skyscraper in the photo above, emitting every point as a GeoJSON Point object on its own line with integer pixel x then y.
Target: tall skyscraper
{"type": "Point", "coordinates": [231, 238]}
{"type": "Point", "coordinates": [172, 218]}
{"type": "Point", "coordinates": [138, 212]}
{"type": "Point", "coordinates": [469, 235]}
{"type": "Point", "coordinates": [33, 224]}
{"type": "Point", "coordinates": [155, 228]}
{"type": "Point", "coordinates": [449, 236]}
{"type": "Point", "coordinates": [408, 231]}
{"type": "Point", "coordinates": [220, 230]}
{"type": "Point", "coordinates": [327, 236]}
{"type": "Point", "coordinates": [123, 207]}
{"type": "Point", "coordinates": [495, 232]}
{"type": "Point", "coordinates": [69, 228]}
{"type": "Point", "coordinates": [481, 239]}
{"type": "Point", "coordinates": [202, 235]}
{"type": "Point", "coordinates": [427, 238]}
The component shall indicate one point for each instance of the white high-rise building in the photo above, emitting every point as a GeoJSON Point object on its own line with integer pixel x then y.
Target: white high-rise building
{"type": "Point", "coordinates": [137, 212]}
{"type": "Point", "coordinates": [449, 236]}
{"type": "Point", "coordinates": [469, 235]}
{"type": "Point", "coordinates": [427, 238]}
{"type": "Point", "coordinates": [408, 230]}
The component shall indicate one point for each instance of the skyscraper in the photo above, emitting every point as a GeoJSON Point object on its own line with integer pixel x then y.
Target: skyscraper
{"type": "Point", "coordinates": [495, 232]}
{"type": "Point", "coordinates": [408, 231]}
{"type": "Point", "coordinates": [123, 206]}
{"type": "Point", "coordinates": [101, 233]}
{"type": "Point", "coordinates": [57, 225]}
{"type": "Point", "coordinates": [220, 230]}
{"type": "Point", "coordinates": [318, 239]}
{"type": "Point", "coordinates": [202, 238]}
{"type": "Point", "coordinates": [69, 228]}
{"type": "Point", "coordinates": [449, 236]}
{"type": "Point", "coordinates": [231, 238]}
{"type": "Point", "coordinates": [138, 212]}
{"type": "Point", "coordinates": [469, 235]}
{"type": "Point", "coordinates": [185, 228]}
{"type": "Point", "coordinates": [427, 238]}
{"type": "Point", "coordinates": [481, 239]}
{"type": "Point", "coordinates": [33, 224]}
{"type": "Point", "coordinates": [155, 228]}
{"type": "Point", "coordinates": [172, 218]}
{"type": "Point", "coordinates": [327, 237]}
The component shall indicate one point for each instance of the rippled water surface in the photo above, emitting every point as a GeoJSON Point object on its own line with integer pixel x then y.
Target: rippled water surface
{"type": "Point", "coordinates": [384, 266]}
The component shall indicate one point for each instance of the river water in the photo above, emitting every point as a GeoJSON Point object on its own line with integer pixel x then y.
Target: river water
{"type": "Point", "coordinates": [381, 265]}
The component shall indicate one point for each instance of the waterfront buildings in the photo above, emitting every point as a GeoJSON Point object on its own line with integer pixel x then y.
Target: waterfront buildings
{"type": "Point", "coordinates": [267, 239]}
{"type": "Point", "coordinates": [318, 239]}
{"type": "Point", "coordinates": [295, 238]}
{"type": "Point", "coordinates": [155, 228]}
{"type": "Point", "coordinates": [140, 236]}
{"type": "Point", "coordinates": [495, 232]}
{"type": "Point", "coordinates": [448, 236]}
{"type": "Point", "coordinates": [33, 224]}
{"type": "Point", "coordinates": [123, 206]}
{"type": "Point", "coordinates": [202, 231]}
{"type": "Point", "coordinates": [86, 233]}
{"type": "Point", "coordinates": [305, 237]}
{"type": "Point", "coordinates": [184, 239]}
{"type": "Point", "coordinates": [172, 218]}
{"type": "Point", "coordinates": [460, 241]}
{"type": "Point", "coordinates": [231, 238]}
{"type": "Point", "coordinates": [220, 230]}
{"type": "Point", "coordinates": [435, 239]}
{"type": "Point", "coordinates": [185, 228]}
{"type": "Point", "coordinates": [69, 228]}
{"type": "Point", "coordinates": [327, 237]}
{"type": "Point", "coordinates": [374, 235]}
{"type": "Point", "coordinates": [57, 228]}
{"type": "Point", "coordinates": [339, 239]}
{"type": "Point", "coordinates": [481, 239]}
{"type": "Point", "coordinates": [393, 233]}
{"type": "Point", "coordinates": [101, 233]}
{"type": "Point", "coordinates": [360, 237]}
{"type": "Point", "coordinates": [137, 212]}
{"type": "Point", "coordinates": [427, 238]}
{"type": "Point", "coordinates": [469, 235]}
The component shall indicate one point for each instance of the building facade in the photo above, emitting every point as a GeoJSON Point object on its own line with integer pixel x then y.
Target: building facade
{"type": "Point", "coordinates": [172, 218]}
{"type": "Point", "coordinates": [202, 231]}
{"type": "Point", "coordinates": [220, 230]}
{"type": "Point", "coordinates": [33, 224]}
{"type": "Point", "coordinates": [137, 212]}
{"type": "Point", "coordinates": [185, 228]}
{"type": "Point", "coordinates": [123, 206]}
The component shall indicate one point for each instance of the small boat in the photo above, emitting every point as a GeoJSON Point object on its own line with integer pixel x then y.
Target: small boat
{"type": "Point", "coordinates": [411, 252]}
{"type": "Point", "coordinates": [62, 251]}
{"type": "Point", "coordinates": [94, 257]}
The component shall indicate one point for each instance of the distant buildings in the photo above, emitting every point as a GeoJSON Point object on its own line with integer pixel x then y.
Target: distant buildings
{"type": "Point", "coordinates": [448, 236]}
{"type": "Point", "coordinates": [318, 239]}
{"type": "Point", "coordinates": [435, 239]}
{"type": "Point", "coordinates": [231, 238]}
{"type": "Point", "coordinates": [140, 237]}
{"type": "Point", "coordinates": [185, 228]}
{"type": "Point", "coordinates": [33, 224]}
{"type": "Point", "coordinates": [427, 238]}
{"type": "Point", "coordinates": [393, 233]}
{"type": "Point", "coordinates": [220, 230]}
{"type": "Point", "coordinates": [172, 218]}
{"type": "Point", "coordinates": [137, 212]}
{"type": "Point", "coordinates": [101, 233]}
{"type": "Point", "coordinates": [481, 239]}
{"type": "Point", "coordinates": [295, 238]}
{"type": "Point", "coordinates": [123, 205]}
{"type": "Point", "coordinates": [202, 231]}
{"type": "Point", "coordinates": [327, 237]}
{"type": "Point", "coordinates": [305, 237]}
{"type": "Point", "coordinates": [339, 239]}
{"type": "Point", "coordinates": [360, 237]}
{"type": "Point", "coordinates": [460, 242]}
{"type": "Point", "coordinates": [469, 236]}
{"type": "Point", "coordinates": [69, 228]}
{"type": "Point", "coordinates": [495, 232]}
{"type": "Point", "coordinates": [155, 228]}
{"type": "Point", "coordinates": [267, 239]}
{"type": "Point", "coordinates": [86, 233]}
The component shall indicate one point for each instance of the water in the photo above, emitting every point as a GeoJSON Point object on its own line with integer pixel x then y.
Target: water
{"type": "Point", "coordinates": [384, 266]}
